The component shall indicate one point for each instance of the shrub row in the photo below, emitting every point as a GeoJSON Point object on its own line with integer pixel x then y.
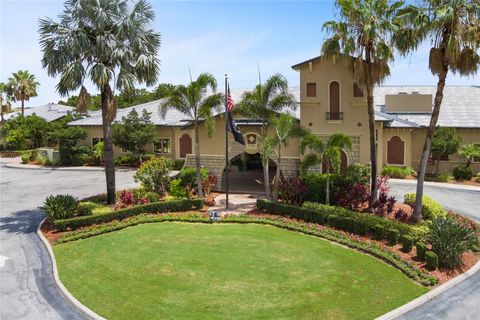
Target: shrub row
{"type": "Point", "coordinates": [431, 209]}
{"type": "Point", "coordinates": [156, 207]}
{"type": "Point", "coordinates": [341, 218]}
{"type": "Point", "coordinates": [396, 172]}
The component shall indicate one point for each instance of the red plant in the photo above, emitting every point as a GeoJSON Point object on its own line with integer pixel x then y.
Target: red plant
{"type": "Point", "coordinates": [209, 183]}
{"type": "Point", "coordinates": [292, 190]}
{"type": "Point", "coordinates": [401, 215]}
{"type": "Point", "coordinates": [354, 198]}
{"type": "Point", "coordinates": [125, 200]}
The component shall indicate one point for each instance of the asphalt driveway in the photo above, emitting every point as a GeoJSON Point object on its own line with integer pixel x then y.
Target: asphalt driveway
{"type": "Point", "coordinates": [27, 290]}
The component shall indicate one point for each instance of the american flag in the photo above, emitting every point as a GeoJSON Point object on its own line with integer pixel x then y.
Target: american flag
{"type": "Point", "coordinates": [229, 100]}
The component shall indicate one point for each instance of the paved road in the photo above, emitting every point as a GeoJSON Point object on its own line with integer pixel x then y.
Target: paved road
{"type": "Point", "coordinates": [465, 202]}
{"type": "Point", "coordinates": [462, 301]}
{"type": "Point", "coordinates": [27, 290]}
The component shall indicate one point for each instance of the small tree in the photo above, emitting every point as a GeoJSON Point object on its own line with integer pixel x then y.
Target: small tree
{"type": "Point", "coordinates": [445, 142]}
{"type": "Point", "coordinates": [331, 152]}
{"type": "Point", "coordinates": [154, 174]}
{"type": "Point", "coordinates": [37, 129]}
{"type": "Point", "coordinates": [67, 139]}
{"type": "Point", "coordinates": [469, 152]}
{"type": "Point", "coordinates": [134, 132]}
{"type": "Point", "coordinates": [22, 86]}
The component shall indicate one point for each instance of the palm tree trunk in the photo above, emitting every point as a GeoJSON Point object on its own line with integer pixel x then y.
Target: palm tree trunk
{"type": "Point", "coordinates": [417, 212]}
{"type": "Point", "coordinates": [197, 162]}
{"type": "Point", "coordinates": [373, 145]}
{"type": "Point", "coordinates": [327, 190]}
{"type": "Point", "coordinates": [266, 180]}
{"type": "Point", "coordinates": [277, 174]}
{"type": "Point", "coordinates": [23, 108]}
{"type": "Point", "coordinates": [108, 146]}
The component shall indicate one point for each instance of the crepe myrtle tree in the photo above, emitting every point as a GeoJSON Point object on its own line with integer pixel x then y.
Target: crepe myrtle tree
{"type": "Point", "coordinates": [109, 43]}
{"type": "Point", "coordinates": [198, 103]}
{"type": "Point", "coordinates": [453, 27]}
{"type": "Point", "coordinates": [363, 39]}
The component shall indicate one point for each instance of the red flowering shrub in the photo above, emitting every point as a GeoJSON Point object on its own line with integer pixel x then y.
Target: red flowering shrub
{"type": "Point", "coordinates": [354, 198]}
{"type": "Point", "coordinates": [292, 190]}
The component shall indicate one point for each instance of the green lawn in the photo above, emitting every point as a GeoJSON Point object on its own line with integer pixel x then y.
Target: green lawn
{"type": "Point", "coordinates": [227, 271]}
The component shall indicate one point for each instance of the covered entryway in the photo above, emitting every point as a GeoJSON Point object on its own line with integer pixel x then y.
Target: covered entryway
{"type": "Point", "coordinates": [246, 173]}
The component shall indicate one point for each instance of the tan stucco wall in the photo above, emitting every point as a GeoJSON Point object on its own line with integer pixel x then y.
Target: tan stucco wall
{"type": "Point", "coordinates": [313, 109]}
{"type": "Point", "coordinates": [405, 135]}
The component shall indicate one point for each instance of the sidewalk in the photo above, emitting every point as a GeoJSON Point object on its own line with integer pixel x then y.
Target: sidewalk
{"type": "Point", "coordinates": [238, 202]}
{"type": "Point", "coordinates": [15, 163]}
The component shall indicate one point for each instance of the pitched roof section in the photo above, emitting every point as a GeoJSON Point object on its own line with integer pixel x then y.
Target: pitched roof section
{"type": "Point", "coordinates": [173, 117]}
{"type": "Point", "coordinates": [49, 112]}
{"type": "Point", "coordinates": [460, 106]}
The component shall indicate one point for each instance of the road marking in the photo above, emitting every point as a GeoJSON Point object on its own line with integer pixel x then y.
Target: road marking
{"type": "Point", "coordinates": [2, 260]}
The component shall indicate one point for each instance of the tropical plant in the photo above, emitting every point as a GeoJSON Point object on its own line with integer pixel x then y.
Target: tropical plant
{"type": "Point", "coordinates": [5, 98]}
{"type": "Point", "coordinates": [61, 206]}
{"type": "Point", "coordinates": [293, 190]}
{"type": "Point", "coordinates": [263, 103]}
{"type": "Point", "coordinates": [108, 42]}
{"type": "Point", "coordinates": [134, 132]}
{"type": "Point", "coordinates": [330, 152]}
{"type": "Point", "coordinates": [22, 86]}
{"type": "Point", "coordinates": [450, 240]}
{"type": "Point", "coordinates": [454, 29]}
{"type": "Point", "coordinates": [285, 126]}
{"type": "Point", "coordinates": [469, 152]}
{"type": "Point", "coordinates": [37, 128]}
{"type": "Point", "coordinates": [363, 39]}
{"type": "Point", "coordinates": [98, 151]}
{"type": "Point", "coordinates": [154, 175]}
{"type": "Point", "coordinates": [194, 101]}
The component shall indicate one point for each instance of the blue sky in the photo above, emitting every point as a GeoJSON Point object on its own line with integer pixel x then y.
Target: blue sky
{"type": "Point", "coordinates": [209, 36]}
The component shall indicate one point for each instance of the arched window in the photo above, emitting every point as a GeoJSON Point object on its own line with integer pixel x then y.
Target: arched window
{"type": "Point", "coordinates": [334, 107]}
{"type": "Point", "coordinates": [395, 151]}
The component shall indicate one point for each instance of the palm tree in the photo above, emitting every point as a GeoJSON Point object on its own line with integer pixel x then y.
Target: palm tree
{"type": "Point", "coordinates": [109, 43]}
{"type": "Point", "coordinates": [285, 126]}
{"type": "Point", "coordinates": [469, 151]}
{"type": "Point", "coordinates": [454, 28]}
{"type": "Point", "coordinates": [331, 152]}
{"type": "Point", "coordinates": [194, 101]}
{"type": "Point", "coordinates": [4, 101]}
{"type": "Point", "coordinates": [363, 39]}
{"type": "Point", "coordinates": [263, 103]}
{"type": "Point", "coordinates": [22, 86]}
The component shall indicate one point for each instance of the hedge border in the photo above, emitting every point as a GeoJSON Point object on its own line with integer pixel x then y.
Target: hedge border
{"type": "Point", "coordinates": [155, 207]}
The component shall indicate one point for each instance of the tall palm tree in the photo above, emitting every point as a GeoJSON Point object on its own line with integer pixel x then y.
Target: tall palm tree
{"type": "Point", "coordinates": [331, 152]}
{"type": "Point", "coordinates": [22, 86]}
{"type": "Point", "coordinates": [108, 42]}
{"type": "Point", "coordinates": [454, 29]}
{"type": "Point", "coordinates": [194, 101]}
{"type": "Point", "coordinates": [363, 38]}
{"type": "Point", "coordinates": [263, 103]}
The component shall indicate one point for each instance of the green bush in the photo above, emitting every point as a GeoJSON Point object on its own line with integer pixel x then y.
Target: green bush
{"type": "Point", "coordinates": [392, 236]}
{"type": "Point", "coordinates": [61, 206]}
{"type": "Point", "coordinates": [431, 259]}
{"type": "Point", "coordinates": [86, 208]}
{"type": "Point", "coordinates": [188, 176]}
{"type": "Point", "coordinates": [25, 156]}
{"type": "Point", "coordinates": [142, 193]}
{"type": "Point", "coordinates": [396, 172]}
{"type": "Point", "coordinates": [443, 177]}
{"type": "Point", "coordinates": [407, 243]}
{"type": "Point", "coordinates": [176, 189]}
{"type": "Point", "coordinates": [450, 240]}
{"type": "Point", "coordinates": [126, 160]}
{"type": "Point", "coordinates": [421, 250]}
{"type": "Point", "coordinates": [154, 175]}
{"type": "Point", "coordinates": [461, 172]}
{"type": "Point", "coordinates": [379, 232]}
{"type": "Point", "coordinates": [431, 209]}
{"type": "Point", "coordinates": [478, 177]}
{"type": "Point", "coordinates": [179, 163]}
{"type": "Point", "coordinates": [156, 207]}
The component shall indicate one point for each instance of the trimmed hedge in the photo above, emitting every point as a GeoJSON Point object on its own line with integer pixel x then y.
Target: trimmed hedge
{"type": "Point", "coordinates": [156, 207]}
{"type": "Point", "coordinates": [343, 219]}
{"type": "Point", "coordinates": [421, 250]}
{"type": "Point", "coordinates": [431, 259]}
{"type": "Point", "coordinates": [407, 243]}
{"type": "Point", "coordinates": [430, 208]}
{"type": "Point", "coordinates": [379, 232]}
{"type": "Point", "coordinates": [392, 237]}
{"type": "Point", "coordinates": [396, 172]}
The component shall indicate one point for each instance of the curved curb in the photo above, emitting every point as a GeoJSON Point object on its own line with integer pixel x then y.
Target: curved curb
{"type": "Point", "coordinates": [394, 314]}
{"type": "Point", "coordinates": [67, 295]}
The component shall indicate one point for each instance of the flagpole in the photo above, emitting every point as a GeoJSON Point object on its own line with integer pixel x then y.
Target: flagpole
{"type": "Point", "coordinates": [226, 143]}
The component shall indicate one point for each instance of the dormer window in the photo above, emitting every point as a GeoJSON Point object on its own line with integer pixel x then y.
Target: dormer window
{"type": "Point", "coordinates": [311, 89]}
{"type": "Point", "coordinates": [357, 91]}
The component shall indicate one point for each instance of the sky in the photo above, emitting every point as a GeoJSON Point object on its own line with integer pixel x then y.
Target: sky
{"type": "Point", "coordinates": [233, 37]}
